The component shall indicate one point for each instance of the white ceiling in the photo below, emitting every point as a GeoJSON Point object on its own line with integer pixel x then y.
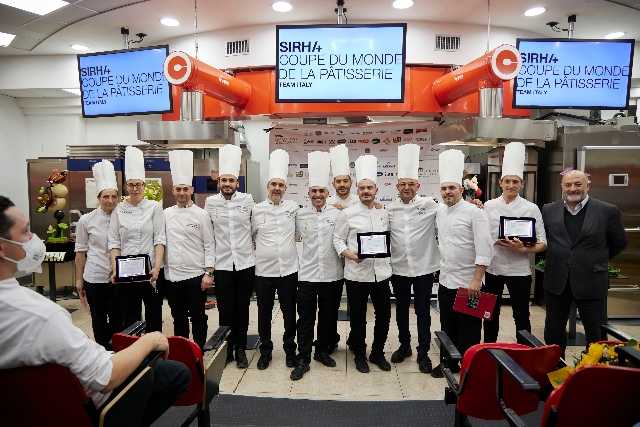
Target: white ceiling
{"type": "Point", "coordinates": [96, 23]}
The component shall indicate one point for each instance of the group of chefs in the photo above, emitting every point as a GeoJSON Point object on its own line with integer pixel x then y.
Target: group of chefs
{"type": "Point", "coordinates": [241, 247]}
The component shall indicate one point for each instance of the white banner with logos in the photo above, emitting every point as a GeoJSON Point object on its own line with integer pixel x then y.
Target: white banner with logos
{"type": "Point", "coordinates": [380, 140]}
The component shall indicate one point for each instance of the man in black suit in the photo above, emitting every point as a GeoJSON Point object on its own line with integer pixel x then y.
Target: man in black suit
{"type": "Point", "coordinates": [582, 235]}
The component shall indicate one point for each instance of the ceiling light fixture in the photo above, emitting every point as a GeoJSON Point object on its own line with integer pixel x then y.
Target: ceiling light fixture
{"type": "Point", "coordinates": [6, 39]}
{"type": "Point", "coordinates": [535, 11]}
{"type": "Point", "coordinates": [79, 47]}
{"type": "Point", "coordinates": [74, 91]}
{"type": "Point", "coordinates": [39, 7]}
{"type": "Point", "coordinates": [282, 6]}
{"type": "Point", "coordinates": [169, 22]}
{"type": "Point", "coordinates": [402, 4]}
{"type": "Point", "coordinates": [615, 35]}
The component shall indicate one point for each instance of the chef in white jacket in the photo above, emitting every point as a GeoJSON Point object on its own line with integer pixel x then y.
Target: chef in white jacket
{"type": "Point", "coordinates": [369, 276]}
{"type": "Point", "coordinates": [414, 256]}
{"type": "Point", "coordinates": [320, 269]}
{"type": "Point", "coordinates": [273, 224]}
{"type": "Point", "coordinates": [511, 264]}
{"type": "Point", "coordinates": [465, 252]}
{"type": "Point", "coordinates": [190, 252]}
{"type": "Point", "coordinates": [230, 213]}
{"type": "Point", "coordinates": [137, 228]}
{"type": "Point", "coordinates": [93, 262]}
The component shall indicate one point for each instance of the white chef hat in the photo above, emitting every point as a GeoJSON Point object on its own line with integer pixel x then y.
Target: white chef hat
{"type": "Point", "coordinates": [408, 159]}
{"type": "Point", "coordinates": [339, 160]}
{"type": "Point", "coordinates": [319, 168]}
{"type": "Point", "coordinates": [451, 166]}
{"type": "Point", "coordinates": [133, 164]}
{"type": "Point", "coordinates": [105, 176]}
{"type": "Point", "coordinates": [279, 165]}
{"type": "Point", "coordinates": [229, 160]}
{"type": "Point", "coordinates": [513, 159]}
{"type": "Point", "coordinates": [367, 168]}
{"type": "Point", "coordinates": [181, 162]}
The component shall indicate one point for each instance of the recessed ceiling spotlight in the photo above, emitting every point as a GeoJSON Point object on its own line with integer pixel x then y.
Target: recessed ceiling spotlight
{"type": "Point", "coordinates": [535, 11]}
{"type": "Point", "coordinates": [6, 39]}
{"type": "Point", "coordinates": [282, 6]}
{"type": "Point", "coordinates": [615, 35]}
{"type": "Point", "coordinates": [402, 4]}
{"type": "Point", "coordinates": [39, 7]}
{"type": "Point", "coordinates": [169, 22]}
{"type": "Point", "coordinates": [79, 47]}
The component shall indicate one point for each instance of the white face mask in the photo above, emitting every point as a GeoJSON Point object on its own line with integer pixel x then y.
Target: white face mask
{"type": "Point", "coordinates": [32, 262]}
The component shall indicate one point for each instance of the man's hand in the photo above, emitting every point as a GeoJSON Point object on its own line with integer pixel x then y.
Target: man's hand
{"type": "Point", "coordinates": [474, 288]}
{"type": "Point", "coordinates": [339, 206]}
{"type": "Point", "coordinates": [154, 275]}
{"type": "Point", "coordinates": [352, 255]}
{"type": "Point", "coordinates": [377, 205]}
{"type": "Point", "coordinates": [207, 282]}
{"type": "Point", "coordinates": [82, 293]}
{"type": "Point", "coordinates": [514, 244]}
{"type": "Point", "coordinates": [158, 342]}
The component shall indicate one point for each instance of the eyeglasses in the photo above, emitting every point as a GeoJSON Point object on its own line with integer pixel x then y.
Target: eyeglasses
{"type": "Point", "coordinates": [135, 185]}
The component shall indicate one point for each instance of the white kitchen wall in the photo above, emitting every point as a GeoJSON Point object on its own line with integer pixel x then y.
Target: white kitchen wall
{"type": "Point", "coordinates": [13, 138]}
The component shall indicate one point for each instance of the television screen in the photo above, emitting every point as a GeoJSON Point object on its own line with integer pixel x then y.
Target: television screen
{"type": "Point", "coordinates": [574, 73]}
{"type": "Point", "coordinates": [124, 82]}
{"type": "Point", "coordinates": [340, 63]}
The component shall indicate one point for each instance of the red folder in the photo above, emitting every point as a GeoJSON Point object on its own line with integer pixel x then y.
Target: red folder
{"type": "Point", "coordinates": [481, 307]}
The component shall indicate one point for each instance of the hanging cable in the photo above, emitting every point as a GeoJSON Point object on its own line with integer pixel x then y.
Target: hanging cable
{"type": "Point", "coordinates": [195, 26]}
{"type": "Point", "coordinates": [488, 25]}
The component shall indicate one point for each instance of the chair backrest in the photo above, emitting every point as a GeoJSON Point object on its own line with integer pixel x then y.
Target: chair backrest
{"type": "Point", "coordinates": [43, 395]}
{"type": "Point", "coordinates": [595, 396]}
{"type": "Point", "coordinates": [478, 379]}
{"type": "Point", "coordinates": [188, 352]}
{"type": "Point", "coordinates": [127, 406]}
{"type": "Point", "coordinates": [121, 340]}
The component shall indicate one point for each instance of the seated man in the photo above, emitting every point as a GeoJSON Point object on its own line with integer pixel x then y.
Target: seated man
{"type": "Point", "coordinates": [36, 331]}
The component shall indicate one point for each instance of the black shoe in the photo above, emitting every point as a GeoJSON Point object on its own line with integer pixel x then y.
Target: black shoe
{"type": "Point", "coordinates": [325, 359]}
{"type": "Point", "coordinates": [229, 357]}
{"type": "Point", "coordinates": [437, 372]}
{"type": "Point", "coordinates": [400, 354]}
{"type": "Point", "coordinates": [380, 361]}
{"type": "Point", "coordinates": [424, 364]}
{"type": "Point", "coordinates": [241, 359]}
{"type": "Point", "coordinates": [332, 349]}
{"type": "Point", "coordinates": [455, 368]}
{"type": "Point", "coordinates": [263, 362]}
{"type": "Point", "coordinates": [299, 371]}
{"type": "Point", "coordinates": [291, 361]}
{"type": "Point", "coordinates": [361, 364]}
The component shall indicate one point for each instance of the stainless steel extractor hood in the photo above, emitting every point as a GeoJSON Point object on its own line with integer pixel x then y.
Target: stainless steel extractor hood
{"type": "Point", "coordinates": [472, 129]}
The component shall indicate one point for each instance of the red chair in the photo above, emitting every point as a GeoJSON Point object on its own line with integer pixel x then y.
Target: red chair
{"type": "Point", "coordinates": [482, 364]}
{"type": "Point", "coordinates": [51, 395]}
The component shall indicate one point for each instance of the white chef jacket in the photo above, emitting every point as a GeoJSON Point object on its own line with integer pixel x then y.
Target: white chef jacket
{"type": "Point", "coordinates": [91, 237]}
{"type": "Point", "coordinates": [231, 221]}
{"type": "Point", "coordinates": [360, 219]}
{"type": "Point", "coordinates": [349, 201]}
{"type": "Point", "coordinates": [414, 248]}
{"type": "Point", "coordinates": [273, 228]}
{"type": "Point", "coordinates": [464, 241]}
{"type": "Point", "coordinates": [319, 261]}
{"type": "Point", "coordinates": [507, 262]}
{"type": "Point", "coordinates": [135, 230]}
{"type": "Point", "coordinates": [35, 331]}
{"type": "Point", "coordinates": [190, 246]}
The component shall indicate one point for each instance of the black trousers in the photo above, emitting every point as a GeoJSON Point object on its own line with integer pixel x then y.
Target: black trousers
{"type": "Point", "coordinates": [314, 297]}
{"type": "Point", "coordinates": [132, 295]}
{"type": "Point", "coordinates": [558, 306]}
{"type": "Point", "coordinates": [186, 300]}
{"type": "Point", "coordinates": [421, 304]}
{"type": "Point", "coordinates": [464, 330]}
{"type": "Point", "coordinates": [337, 296]}
{"type": "Point", "coordinates": [358, 297]}
{"type": "Point", "coordinates": [106, 318]}
{"type": "Point", "coordinates": [519, 288]}
{"type": "Point", "coordinates": [266, 288]}
{"type": "Point", "coordinates": [233, 294]}
{"type": "Point", "coordinates": [170, 380]}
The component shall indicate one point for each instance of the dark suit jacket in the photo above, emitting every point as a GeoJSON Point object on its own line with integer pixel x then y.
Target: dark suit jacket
{"type": "Point", "coordinates": [585, 262]}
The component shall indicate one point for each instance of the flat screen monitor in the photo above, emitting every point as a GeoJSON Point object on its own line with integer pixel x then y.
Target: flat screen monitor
{"type": "Point", "coordinates": [574, 73]}
{"type": "Point", "coordinates": [124, 82]}
{"type": "Point", "coordinates": [340, 63]}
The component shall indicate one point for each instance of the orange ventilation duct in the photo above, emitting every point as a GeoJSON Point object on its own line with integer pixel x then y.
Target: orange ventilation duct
{"type": "Point", "coordinates": [490, 70]}
{"type": "Point", "coordinates": [191, 74]}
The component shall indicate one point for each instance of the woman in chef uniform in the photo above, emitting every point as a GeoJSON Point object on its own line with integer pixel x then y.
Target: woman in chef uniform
{"type": "Point", "coordinates": [137, 228]}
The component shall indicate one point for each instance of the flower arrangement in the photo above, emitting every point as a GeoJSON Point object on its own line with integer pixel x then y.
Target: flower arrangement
{"type": "Point", "coordinates": [470, 188]}
{"type": "Point", "coordinates": [601, 353]}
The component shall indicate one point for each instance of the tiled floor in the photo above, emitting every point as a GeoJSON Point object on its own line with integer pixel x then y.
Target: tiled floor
{"type": "Point", "coordinates": [342, 382]}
